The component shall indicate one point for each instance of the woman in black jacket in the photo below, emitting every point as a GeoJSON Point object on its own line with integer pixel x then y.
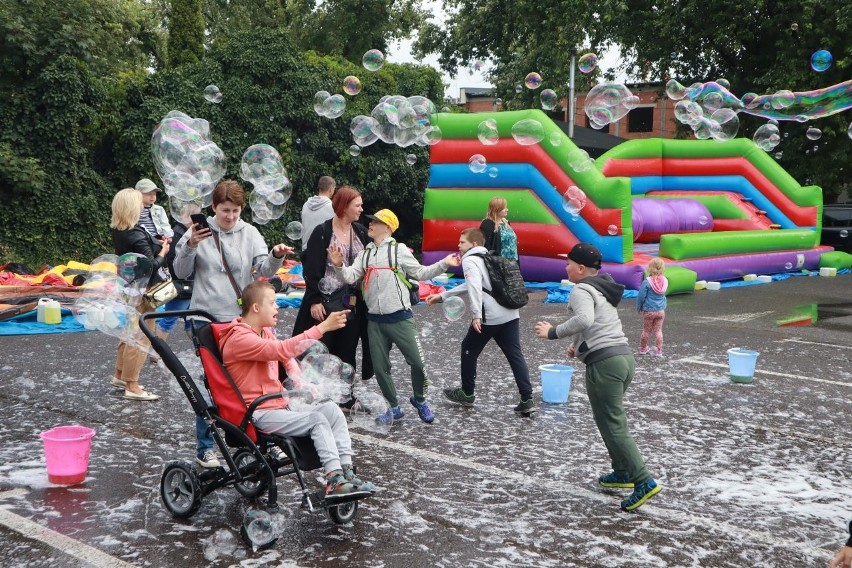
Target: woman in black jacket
{"type": "Point", "coordinates": [129, 236]}
{"type": "Point", "coordinates": [324, 292]}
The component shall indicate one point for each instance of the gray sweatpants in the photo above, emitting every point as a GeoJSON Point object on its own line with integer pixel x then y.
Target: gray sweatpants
{"type": "Point", "coordinates": [325, 424]}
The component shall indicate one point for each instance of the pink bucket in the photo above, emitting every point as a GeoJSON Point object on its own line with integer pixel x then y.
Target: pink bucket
{"type": "Point", "coordinates": [66, 450]}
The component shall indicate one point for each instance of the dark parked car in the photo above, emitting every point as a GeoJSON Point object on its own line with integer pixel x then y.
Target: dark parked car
{"type": "Point", "coordinates": [837, 227]}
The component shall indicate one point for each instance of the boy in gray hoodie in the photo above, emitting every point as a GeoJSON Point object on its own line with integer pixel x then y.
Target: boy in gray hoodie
{"type": "Point", "coordinates": [598, 340]}
{"type": "Point", "coordinates": [317, 209]}
{"type": "Point", "coordinates": [389, 316]}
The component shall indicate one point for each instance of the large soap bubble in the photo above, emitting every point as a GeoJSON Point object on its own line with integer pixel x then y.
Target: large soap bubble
{"type": "Point", "coordinates": [527, 132]}
{"type": "Point", "coordinates": [213, 94]}
{"type": "Point", "coordinates": [477, 163]}
{"type": "Point", "coordinates": [548, 99]}
{"type": "Point", "coordinates": [487, 132]}
{"type": "Point", "coordinates": [767, 137]}
{"type": "Point", "coordinates": [573, 200]}
{"type": "Point", "coordinates": [187, 161]}
{"type": "Point", "coordinates": [261, 166]}
{"type": "Point", "coordinates": [608, 102]}
{"type": "Point", "coordinates": [361, 128]}
{"type": "Point", "coordinates": [373, 60]}
{"type": "Point", "coordinates": [454, 308]}
{"type": "Point", "coordinates": [351, 85]}
{"type": "Point", "coordinates": [724, 124]}
{"type": "Point", "coordinates": [404, 121]}
{"type": "Point", "coordinates": [532, 80]}
{"type": "Point", "coordinates": [821, 60]}
{"type": "Point", "coordinates": [367, 407]}
{"type": "Point", "coordinates": [587, 63]}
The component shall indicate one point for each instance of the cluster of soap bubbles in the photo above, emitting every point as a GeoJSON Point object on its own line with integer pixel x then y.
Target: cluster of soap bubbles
{"type": "Point", "coordinates": [261, 166]}
{"type": "Point", "coordinates": [212, 94]}
{"type": "Point", "coordinates": [111, 298]}
{"type": "Point", "coordinates": [573, 200]}
{"type": "Point", "coordinates": [608, 102]}
{"type": "Point", "coordinates": [708, 108]}
{"type": "Point", "coordinates": [328, 105]}
{"type": "Point", "coordinates": [767, 137]}
{"type": "Point", "coordinates": [587, 63]}
{"type": "Point", "coordinates": [398, 120]}
{"type": "Point", "coordinates": [187, 160]}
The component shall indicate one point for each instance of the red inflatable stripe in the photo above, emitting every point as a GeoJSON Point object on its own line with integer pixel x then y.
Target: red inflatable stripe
{"type": "Point", "coordinates": [534, 239]}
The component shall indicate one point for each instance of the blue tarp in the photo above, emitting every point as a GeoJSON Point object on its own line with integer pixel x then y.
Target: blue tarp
{"type": "Point", "coordinates": [27, 324]}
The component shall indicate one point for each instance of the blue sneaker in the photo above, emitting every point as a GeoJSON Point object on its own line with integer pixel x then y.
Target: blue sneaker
{"type": "Point", "coordinates": [390, 415]}
{"type": "Point", "coordinates": [617, 479]}
{"type": "Point", "coordinates": [423, 410]}
{"type": "Point", "coordinates": [641, 493]}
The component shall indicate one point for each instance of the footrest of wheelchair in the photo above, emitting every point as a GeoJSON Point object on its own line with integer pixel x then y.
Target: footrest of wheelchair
{"type": "Point", "coordinates": [318, 500]}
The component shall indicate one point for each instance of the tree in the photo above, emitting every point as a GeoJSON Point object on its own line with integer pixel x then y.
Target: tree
{"type": "Point", "coordinates": [186, 32]}
{"type": "Point", "coordinates": [760, 46]}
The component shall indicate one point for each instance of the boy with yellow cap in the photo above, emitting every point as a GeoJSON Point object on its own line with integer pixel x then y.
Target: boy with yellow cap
{"type": "Point", "coordinates": [389, 317]}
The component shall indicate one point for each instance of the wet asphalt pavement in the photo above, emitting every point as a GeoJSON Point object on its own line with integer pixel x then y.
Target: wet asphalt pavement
{"type": "Point", "coordinates": [752, 474]}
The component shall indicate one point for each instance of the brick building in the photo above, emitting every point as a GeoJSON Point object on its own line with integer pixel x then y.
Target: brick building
{"type": "Point", "coordinates": [653, 117]}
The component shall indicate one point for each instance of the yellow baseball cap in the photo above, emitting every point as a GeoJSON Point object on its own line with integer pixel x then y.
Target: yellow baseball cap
{"type": "Point", "coordinates": [387, 217]}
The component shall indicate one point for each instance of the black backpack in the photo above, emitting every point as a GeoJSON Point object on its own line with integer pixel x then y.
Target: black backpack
{"type": "Point", "coordinates": [507, 284]}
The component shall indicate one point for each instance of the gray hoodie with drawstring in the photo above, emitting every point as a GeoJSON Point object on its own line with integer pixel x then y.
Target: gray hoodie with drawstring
{"type": "Point", "coordinates": [316, 211]}
{"type": "Point", "coordinates": [247, 255]}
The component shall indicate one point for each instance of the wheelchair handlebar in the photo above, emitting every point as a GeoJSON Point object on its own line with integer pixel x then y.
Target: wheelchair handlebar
{"type": "Point", "coordinates": [149, 333]}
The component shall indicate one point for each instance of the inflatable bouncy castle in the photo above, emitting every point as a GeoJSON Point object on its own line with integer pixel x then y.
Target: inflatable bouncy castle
{"type": "Point", "coordinates": [718, 210]}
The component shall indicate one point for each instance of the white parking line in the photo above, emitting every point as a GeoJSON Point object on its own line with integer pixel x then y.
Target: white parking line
{"type": "Point", "coordinates": [34, 531]}
{"type": "Point", "coordinates": [818, 343]}
{"type": "Point", "coordinates": [698, 361]}
{"type": "Point", "coordinates": [675, 515]}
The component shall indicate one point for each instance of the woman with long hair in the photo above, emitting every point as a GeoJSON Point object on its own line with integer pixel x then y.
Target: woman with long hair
{"type": "Point", "coordinates": [128, 236]}
{"type": "Point", "coordinates": [500, 239]}
{"type": "Point", "coordinates": [325, 292]}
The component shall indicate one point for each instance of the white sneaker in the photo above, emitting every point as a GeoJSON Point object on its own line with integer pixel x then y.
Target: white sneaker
{"type": "Point", "coordinates": [207, 460]}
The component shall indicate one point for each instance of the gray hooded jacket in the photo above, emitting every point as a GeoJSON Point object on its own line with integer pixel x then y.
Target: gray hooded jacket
{"type": "Point", "coordinates": [316, 210]}
{"type": "Point", "coordinates": [247, 255]}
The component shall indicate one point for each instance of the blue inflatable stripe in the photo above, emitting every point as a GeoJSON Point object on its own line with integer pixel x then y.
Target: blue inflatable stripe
{"type": "Point", "coordinates": [736, 184]}
{"type": "Point", "coordinates": [527, 176]}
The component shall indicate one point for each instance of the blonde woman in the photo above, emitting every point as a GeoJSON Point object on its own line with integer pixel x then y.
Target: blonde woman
{"type": "Point", "coordinates": [129, 236]}
{"type": "Point", "coordinates": [500, 239]}
{"type": "Point", "coordinates": [651, 303]}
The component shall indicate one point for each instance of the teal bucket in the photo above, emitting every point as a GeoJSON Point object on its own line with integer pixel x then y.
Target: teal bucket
{"type": "Point", "coordinates": [742, 363]}
{"type": "Point", "coordinates": [555, 383]}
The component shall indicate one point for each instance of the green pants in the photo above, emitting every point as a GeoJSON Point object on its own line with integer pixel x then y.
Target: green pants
{"type": "Point", "coordinates": [606, 383]}
{"type": "Point", "coordinates": [404, 334]}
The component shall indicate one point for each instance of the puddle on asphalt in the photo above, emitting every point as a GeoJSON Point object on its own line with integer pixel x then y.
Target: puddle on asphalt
{"type": "Point", "coordinates": [832, 316]}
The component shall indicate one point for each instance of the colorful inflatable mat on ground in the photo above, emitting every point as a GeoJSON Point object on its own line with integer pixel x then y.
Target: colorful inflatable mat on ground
{"type": "Point", "coordinates": [721, 210]}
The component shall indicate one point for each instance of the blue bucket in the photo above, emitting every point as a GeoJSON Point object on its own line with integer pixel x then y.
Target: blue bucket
{"type": "Point", "coordinates": [742, 363]}
{"type": "Point", "coordinates": [555, 383]}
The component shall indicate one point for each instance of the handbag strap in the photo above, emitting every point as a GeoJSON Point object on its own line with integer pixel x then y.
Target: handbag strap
{"type": "Point", "coordinates": [228, 270]}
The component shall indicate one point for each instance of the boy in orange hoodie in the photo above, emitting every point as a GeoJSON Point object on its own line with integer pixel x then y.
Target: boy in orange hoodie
{"type": "Point", "coordinates": [251, 353]}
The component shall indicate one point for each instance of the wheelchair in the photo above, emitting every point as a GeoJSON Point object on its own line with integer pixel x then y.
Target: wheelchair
{"type": "Point", "coordinates": [249, 467]}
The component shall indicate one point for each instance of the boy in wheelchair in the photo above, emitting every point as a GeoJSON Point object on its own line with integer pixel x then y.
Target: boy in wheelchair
{"type": "Point", "coordinates": [251, 353]}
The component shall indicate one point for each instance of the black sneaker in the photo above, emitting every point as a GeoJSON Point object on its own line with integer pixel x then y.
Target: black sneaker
{"type": "Point", "coordinates": [459, 396]}
{"type": "Point", "coordinates": [526, 406]}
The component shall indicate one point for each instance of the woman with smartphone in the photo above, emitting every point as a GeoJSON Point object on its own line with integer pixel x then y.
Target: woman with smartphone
{"type": "Point", "coordinates": [226, 254]}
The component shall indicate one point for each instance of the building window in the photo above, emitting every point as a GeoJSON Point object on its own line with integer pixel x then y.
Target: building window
{"type": "Point", "coordinates": [641, 119]}
{"type": "Point", "coordinates": [605, 129]}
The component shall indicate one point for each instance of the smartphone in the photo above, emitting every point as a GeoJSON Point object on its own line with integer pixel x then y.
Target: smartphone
{"type": "Point", "coordinates": [200, 219]}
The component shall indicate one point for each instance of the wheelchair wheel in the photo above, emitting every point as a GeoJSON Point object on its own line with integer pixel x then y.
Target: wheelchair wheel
{"type": "Point", "coordinates": [342, 514]}
{"type": "Point", "coordinates": [248, 465]}
{"type": "Point", "coordinates": [180, 489]}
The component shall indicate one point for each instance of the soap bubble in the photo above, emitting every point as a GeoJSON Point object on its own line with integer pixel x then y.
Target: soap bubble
{"type": "Point", "coordinates": [779, 155]}
{"type": "Point", "coordinates": [361, 128]}
{"type": "Point", "coordinates": [712, 102]}
{"type": "Point", "coordinates": [181, 210]}
{"type": "Point", "coordinates": [844, 233]}
{"type": "Point", "coordinates": [329, 285]}
{"type": "Point", "coordinates": [454, 308]}
{"type": "Point", "coordinates": [794, 26]}
{"type": "Point", "coordinates": [493, 171]}
{"type": "Point", "coordinates": [849, 130]}
{"type": "Point", "coordinates": [373, 60]}
{"type": "Point", "coordinates": [548, 98]}
{"type": "Point", "coordinates": [723, 82]}
{"type": "Point", "coordinates": [411, 159]}
{"type": "Point", "coordinates": [783, 99]}
{"type": "Point", "coordinates": [319, 102]}
{"type": "Point", "coordinates": [788, 266]}
{"type": "Point", "coordinates": [477, 163]}
{"type": "Point", "coordinates": [587, 63]}
{"type": "Point", "coordinates": [555, 138]}
{"type": "Point", "coordinates": [608, 102]}
{"type": "Point", "coordinates": [573, 200]}
{"type": "Point", "coordinates": [612, 230]}
{"type": "Point", "coordinates": [433, 135]}
{"type": "Point", "coordinates": [527, 132]}
{"type": "Point", "coordinates": [579, 160]}
{"type": "Point", "coordinates": [532, 80]}
{"type": "Point", "coordinates": [702, 220]}
{"type": "Point", "coordinates": [724, 124]}
{"type": "Point", "coordinates": [334, 106]}
{"type": "Point", "coordinates": [767, 137]}
{"type": "Point", "coordinates": [675, 90]}
{"type": "Point", "coordinates": [258, 530]}
{"type": "Point", "coordinates": [813, 133]}
{"type": "Point", "coordinates": [367, 407]}
{"type": "Point", "coordinates": [212, 94]}
{"type": "Point", "coordinates": [821, 60]}
{"type": "Point", "coordinates": [519, 88]}
{"type": "Point", "coordinates": [487, 132]}
{"type": "Point", "coordinates": [351, 85]}
{"type": "Point", "coordinates": [261, 166]}
{"type": "Point", "coordinates": [293, 230]}
{"type": "Point", "coordinates": [354, 150]}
